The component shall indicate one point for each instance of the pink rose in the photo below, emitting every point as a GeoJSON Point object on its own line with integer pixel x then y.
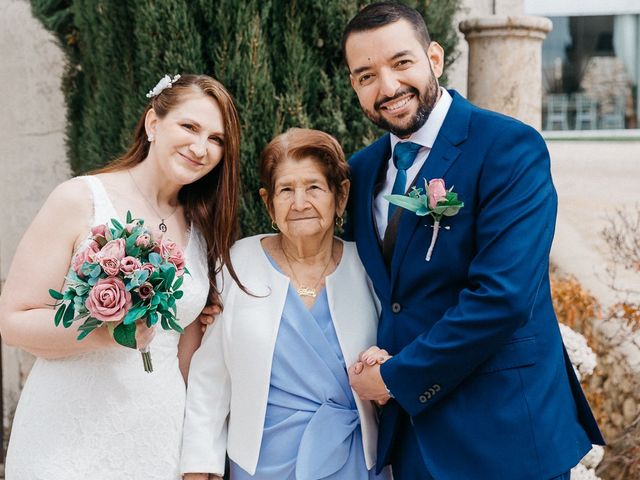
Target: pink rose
{"type": "Point", "coordinates": [101, 234]}
{"type": "Point", "coordinates": [110, 256]}
{"type": "Point", "coordinates": [108, 300]}
{"type": "Point", "coordinates": [143, 240]}
{"type": "Point", "coordinates": [145, 290]}
{"type": "Point", "coordinates": [172, 253]}
{"type": "Point", "coordinates": [130, 226]}
{"type": "Point", "coordinates": [86, 255]}
{"type": "Point", "coordinates": [437, 192]}
{"type": "Point", "coordinates": [128, 265]}
{"type": "Point", "coordinates": [149, 267]}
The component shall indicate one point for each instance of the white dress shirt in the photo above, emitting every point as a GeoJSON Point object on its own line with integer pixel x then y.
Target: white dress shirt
{"type": "Point", "coordinates": [425, 137]}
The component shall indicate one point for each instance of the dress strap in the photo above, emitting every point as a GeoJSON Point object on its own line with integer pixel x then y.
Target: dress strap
{"type": "Point", "coordinates": [103, 209]}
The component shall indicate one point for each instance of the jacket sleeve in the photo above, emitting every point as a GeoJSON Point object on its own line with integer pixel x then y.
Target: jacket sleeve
{"type": "Point", "coordinates": [204, 441]}
{"type": "Point", "coordinates": [515, 220]}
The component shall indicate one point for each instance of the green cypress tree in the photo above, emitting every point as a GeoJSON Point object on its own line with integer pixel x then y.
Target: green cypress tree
{"type": "Point", "coordinates": [280, 59]}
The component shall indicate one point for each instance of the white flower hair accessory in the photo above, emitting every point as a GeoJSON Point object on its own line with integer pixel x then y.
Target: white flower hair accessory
{"type": "Point", "coordinates": [165, 82]}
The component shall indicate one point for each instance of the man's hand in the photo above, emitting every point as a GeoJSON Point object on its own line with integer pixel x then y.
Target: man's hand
{"type": "Point", "coordinates": [368, 384]}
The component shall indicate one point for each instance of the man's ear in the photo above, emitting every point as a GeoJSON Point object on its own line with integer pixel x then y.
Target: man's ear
{"type": "Point", "coordinates": [435, 53]}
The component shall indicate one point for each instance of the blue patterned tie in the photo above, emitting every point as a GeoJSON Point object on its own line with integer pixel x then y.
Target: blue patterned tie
{"type": "Point", "coordinates": [404, 154]}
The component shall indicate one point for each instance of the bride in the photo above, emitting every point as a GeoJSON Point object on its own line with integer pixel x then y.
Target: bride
{"type": "Point", "coordinates": [88, 409]}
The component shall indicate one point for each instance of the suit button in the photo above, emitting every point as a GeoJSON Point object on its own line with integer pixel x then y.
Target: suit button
{"type": "Point", "coordinates": [396, 307]}
{"type": "Point", "coordinates": [422, 398]}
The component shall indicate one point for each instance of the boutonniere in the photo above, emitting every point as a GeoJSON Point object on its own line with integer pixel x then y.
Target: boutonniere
{"type": "Point", "coordinates": [437, 201]}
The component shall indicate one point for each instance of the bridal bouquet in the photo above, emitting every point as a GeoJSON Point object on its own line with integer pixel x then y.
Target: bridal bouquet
{"type": "Point", "coordinates": [124, 274]}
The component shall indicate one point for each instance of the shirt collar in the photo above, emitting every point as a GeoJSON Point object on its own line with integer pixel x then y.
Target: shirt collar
{"type": "Point", "coordinates": [427, 134]}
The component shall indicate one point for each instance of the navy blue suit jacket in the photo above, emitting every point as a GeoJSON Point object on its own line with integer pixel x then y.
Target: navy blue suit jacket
{"type": "Point", "coordinates": [478, 361]}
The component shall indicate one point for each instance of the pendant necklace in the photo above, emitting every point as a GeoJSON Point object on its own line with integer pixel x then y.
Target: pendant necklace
{"type": "Point", "coordinates": [161, 226]}
{"type": "Point", "coordinates": [302, 290]}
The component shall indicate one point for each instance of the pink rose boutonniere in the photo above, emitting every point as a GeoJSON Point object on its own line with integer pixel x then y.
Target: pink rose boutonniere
{"type": "Point", "coordinates": [438, 202]}
{"type": "Point", "coordinates": [124, 274]}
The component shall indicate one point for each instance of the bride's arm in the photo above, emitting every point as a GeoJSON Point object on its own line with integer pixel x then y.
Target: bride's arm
{"type": "Point", "coordinates": [41, 262]}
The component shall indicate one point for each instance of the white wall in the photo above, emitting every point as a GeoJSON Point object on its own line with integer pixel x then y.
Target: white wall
{"type": "Point", "coordinates": [575, 8]}
{"type": "Point", "coordinates": [32, 153]}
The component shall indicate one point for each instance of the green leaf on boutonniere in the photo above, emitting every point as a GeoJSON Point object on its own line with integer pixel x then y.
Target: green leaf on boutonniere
{"type": "Point", "coordinates": [129, 217]}
{"type": "Point", "coordinates": [410, 203]}
{"type": "Point", "coordinates": [152, 319]}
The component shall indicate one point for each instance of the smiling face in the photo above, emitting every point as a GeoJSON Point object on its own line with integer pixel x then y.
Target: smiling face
{"type": "Point", "coordinates": [188, 142]}
{"type": "Point", "coordinates": [394, 78]}
{"type": "Point", "coordinates": [302, 204]}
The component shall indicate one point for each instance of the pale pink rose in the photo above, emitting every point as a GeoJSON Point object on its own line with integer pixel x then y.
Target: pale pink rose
{"type": "Point", "coordinates": [99, 231]}
{"type": "Point", "coordinates": [143, 240]}
{"type": "Point", "coordinates": [149, 267]}
{"type": "Point", "coordinates": [108, 300]}
{"type": "Point", "coordinates": [437, 192]}
{"type": "Point", "coordinates": [145, 290]}
{"type": "Point", "coordinates": [110, 266]}
{"type": "Point", "coordinates": [128, 265]}
{"type": "Point", "coordinates": [172, 253]}
{"type": "Point", "coordinates": [85, 255]}
{"type": "Point", "coordinates": [110, 256]}
{"type": "Point", "coordinates": [113, 249]}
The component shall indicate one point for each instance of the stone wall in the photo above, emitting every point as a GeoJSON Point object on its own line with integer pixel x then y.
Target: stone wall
{"type": "Point", "coordinates": [32, 153]}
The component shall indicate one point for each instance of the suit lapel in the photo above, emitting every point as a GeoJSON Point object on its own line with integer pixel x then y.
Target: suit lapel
{"type": "Point", "coordinates": [379, 153]}
{"type": "Point", "coordinates": [444, 153]}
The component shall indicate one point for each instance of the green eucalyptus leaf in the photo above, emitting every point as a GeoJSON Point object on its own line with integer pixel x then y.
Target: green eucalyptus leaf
{"type": "Point", "coordinates": [178, 294]}
{"type": "Point", "coordinates": [178, 283]}
{"type": "Point", "coordinates": [155, 259]}
{"type": "Point", "coordinates": [125, 335]}
{"type": "Point", "coordinates": [164, 323]}
{"type": "Point", "coordinates": [410, 203]}
{"type": "Point", "coordinates": [117, 225]}
{"type": "Point", "coordinates": [175, 325]}
{"type": "Point", "coordinates": [67, 319]}
{"type": "Point", "coordinates": [55, 294]}
{"type": "Point", "coordinates": [134, 314]}
{"type": "Point", "coordinates": [59, 314]}
{"type": "Point", "coordinates": [129, 217]}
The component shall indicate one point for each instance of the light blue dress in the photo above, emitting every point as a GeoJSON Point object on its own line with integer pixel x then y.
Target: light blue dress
{"type": "Point", "coordinates": [312, 428]}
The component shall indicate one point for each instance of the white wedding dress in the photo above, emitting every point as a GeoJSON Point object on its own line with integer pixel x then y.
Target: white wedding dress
{"type": "Point", "coordinates": [99, 415]}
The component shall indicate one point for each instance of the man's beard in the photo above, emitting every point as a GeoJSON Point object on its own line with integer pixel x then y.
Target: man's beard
{"type": "Point", "coordinates": [426, 101]}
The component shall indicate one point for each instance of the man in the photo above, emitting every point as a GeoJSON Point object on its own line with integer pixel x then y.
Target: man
{"type": "Point", "coordinates": [477, 384]}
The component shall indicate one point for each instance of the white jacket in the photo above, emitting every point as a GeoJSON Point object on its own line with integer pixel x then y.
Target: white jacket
{"type": "Point", "coordinates": [230, 372]}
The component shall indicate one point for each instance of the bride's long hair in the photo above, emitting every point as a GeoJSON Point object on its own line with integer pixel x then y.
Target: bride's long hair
{"type": "Point", "coordinates": [211, 202]}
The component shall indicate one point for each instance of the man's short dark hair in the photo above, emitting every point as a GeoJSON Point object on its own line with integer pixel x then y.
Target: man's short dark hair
{"type": "Point", "coordinates": [380, 14]}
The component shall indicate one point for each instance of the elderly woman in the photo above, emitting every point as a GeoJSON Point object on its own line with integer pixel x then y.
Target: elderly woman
{"type": "Point", "coordinates": [269, 384]}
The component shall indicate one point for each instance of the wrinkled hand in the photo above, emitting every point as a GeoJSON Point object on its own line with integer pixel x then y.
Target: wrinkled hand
{"type": "Point", "coordinates": [144, 334]}
{"type": "Point", "coordinates": [368, 386]}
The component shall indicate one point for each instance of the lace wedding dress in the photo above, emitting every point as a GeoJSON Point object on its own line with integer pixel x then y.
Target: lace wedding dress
{"type": "Point", "coordinates": [99, 415]}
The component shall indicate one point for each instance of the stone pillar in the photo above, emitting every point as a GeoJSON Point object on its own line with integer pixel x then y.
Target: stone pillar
{"type": "Point", "coordinates": [505, 64]}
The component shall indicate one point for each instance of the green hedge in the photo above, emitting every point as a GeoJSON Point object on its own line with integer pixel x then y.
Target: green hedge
{"type": "Point", "coordinates": [280, 59]}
